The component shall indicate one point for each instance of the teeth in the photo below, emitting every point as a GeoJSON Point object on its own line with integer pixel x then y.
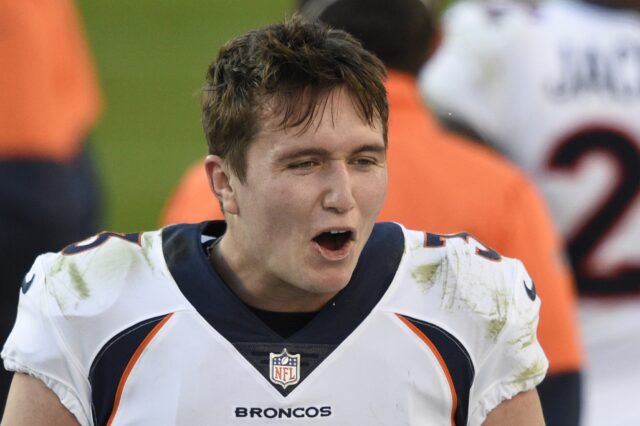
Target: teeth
{"type": "Point", "coordinates": [337, 232]}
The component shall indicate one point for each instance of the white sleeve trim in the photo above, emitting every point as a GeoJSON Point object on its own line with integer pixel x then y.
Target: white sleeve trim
{"type": "Point", "coordinates": [498, 393]}
{"type": "Point", "coordinates": [506, 389]}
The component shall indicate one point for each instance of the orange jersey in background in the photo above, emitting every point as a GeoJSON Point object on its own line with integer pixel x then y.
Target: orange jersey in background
{"type": "Point", "coordinates": [48, 93]}
{"type": "Point", "coordinates": [441, 183]}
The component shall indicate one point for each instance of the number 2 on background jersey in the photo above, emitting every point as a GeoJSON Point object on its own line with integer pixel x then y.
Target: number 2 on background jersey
{"type": "Point", "coordinates": [622, 150]}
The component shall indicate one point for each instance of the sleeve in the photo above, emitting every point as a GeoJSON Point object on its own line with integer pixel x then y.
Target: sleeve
{"type": "Point", "coordinates": [36, 347]}
{"type": "Point", "coordinates": [516, 362]}
{"type": "Point", "coordinates": [535, 241]}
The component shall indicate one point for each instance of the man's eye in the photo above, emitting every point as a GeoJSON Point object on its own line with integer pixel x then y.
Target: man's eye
{"type": "Point", "coordinates": [364, 161]}
{"type": "Point", "coordinates": [302, 165]}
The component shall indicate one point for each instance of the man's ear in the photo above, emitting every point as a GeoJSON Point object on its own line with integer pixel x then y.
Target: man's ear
{"type": "Point", "coordinates": [219, 178]}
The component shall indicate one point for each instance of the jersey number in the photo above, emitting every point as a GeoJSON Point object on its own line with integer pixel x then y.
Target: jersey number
{"type": "Point", "coordinates": [437, 240]}
{"type": "Point", "coordinates": [582, 244]}
{"type": "Point", "coordinates": [98, 240]}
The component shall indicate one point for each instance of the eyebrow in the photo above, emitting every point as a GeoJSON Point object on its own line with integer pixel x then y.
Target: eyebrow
{"type": "Point", "coordinates": [320, 152]}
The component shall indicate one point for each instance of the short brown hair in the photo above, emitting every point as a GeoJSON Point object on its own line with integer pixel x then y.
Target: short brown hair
{"type": "Point", "coordinates": [292, 67]}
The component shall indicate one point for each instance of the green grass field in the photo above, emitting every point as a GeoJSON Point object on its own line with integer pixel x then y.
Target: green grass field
{"type": "Point", "coordinates": [151, 57]}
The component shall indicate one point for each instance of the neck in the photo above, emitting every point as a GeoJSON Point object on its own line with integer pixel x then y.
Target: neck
{"type": "Point", "coordinates": [257, 291]}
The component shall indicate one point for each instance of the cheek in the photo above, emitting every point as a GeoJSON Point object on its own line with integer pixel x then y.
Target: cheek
{"type": "Point", "coordinates": [373, 192]}
{"type": "Point", "coordinates": [282, 204]}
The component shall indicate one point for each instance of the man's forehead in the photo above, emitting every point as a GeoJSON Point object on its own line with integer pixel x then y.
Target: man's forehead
{"type": "Point", "coordinates": [303, 112]}
{"type": "Point", "coordinates": [324, 141]}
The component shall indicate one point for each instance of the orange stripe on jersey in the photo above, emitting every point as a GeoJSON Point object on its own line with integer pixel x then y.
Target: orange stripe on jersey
{"type": "Point", "coordinates": [443, 365]}
{"type": "Point", "coordinates": [132, 363]}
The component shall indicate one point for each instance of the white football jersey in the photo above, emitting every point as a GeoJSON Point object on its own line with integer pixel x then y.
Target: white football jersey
{"type": "Point", "coordinates": [557, 89]}
{"type": "Point", "coordinates": [139, 329]}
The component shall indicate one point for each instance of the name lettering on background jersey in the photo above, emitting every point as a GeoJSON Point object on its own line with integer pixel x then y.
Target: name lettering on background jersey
{"type": "Point", "coordinates": [284, 368]}
{"type": "Point", "coordinates": [614, 72]}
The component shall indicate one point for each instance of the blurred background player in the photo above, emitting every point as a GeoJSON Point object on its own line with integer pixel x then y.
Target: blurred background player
{"type": "Point", "coordinates": [556, 86]}
{"type": "Point", "coordinates": [49, 101]}
{"type": "Point", "coordinates": [442, 183]}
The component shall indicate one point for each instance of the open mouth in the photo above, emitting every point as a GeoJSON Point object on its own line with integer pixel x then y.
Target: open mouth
{"type": "Point", "coordinates": [333, 240]}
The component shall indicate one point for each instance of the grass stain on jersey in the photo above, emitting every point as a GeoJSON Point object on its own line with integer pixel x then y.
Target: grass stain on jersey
{"type": "Point", "coordinates": [536, 369]}
{"type": "Point", "coordinates": [60, 292]}
{"type": "Point", "coordinates": [496, 325]}
{"type": "Point", "coordinates": [53, 289]}
{"type": "Point", "coordinates": [57, 266]}
{"type": "Point", "coordinates": [423, 274]}
{"type": "Point", "coordinates": [147, 245]}
{"type": "Point", "coordinates": [528, 336]}
{"type": "Point", "coordinates": [77, 280]}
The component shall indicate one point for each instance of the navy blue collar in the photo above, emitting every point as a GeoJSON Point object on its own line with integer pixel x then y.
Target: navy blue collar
{"type": "Point", "coordinates": [186, 259]}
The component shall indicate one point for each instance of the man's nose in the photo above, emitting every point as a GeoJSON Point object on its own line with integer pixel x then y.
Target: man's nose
{"type": "Point", "coordinates": [338, 194]}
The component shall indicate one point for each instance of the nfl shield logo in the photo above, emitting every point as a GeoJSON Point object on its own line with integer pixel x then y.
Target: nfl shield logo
{"type": "Point", "coordinates": [284, 368]}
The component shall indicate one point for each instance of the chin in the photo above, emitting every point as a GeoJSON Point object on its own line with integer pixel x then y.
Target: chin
{"type": "Point", "coordinates": [328, 283]}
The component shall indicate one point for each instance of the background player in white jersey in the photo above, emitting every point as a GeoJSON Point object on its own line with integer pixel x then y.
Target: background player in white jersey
{"type": "Point", "coordinates": [297, 309]}
{"type": "Point", "coordinates": [555, 86]}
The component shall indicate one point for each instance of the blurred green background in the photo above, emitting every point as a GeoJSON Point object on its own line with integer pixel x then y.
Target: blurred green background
{"type": "Point", "coordinates": [151, 57]}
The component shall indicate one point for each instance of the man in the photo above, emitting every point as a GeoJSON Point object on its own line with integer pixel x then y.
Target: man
{"type": "Point", "coordinates": [297, 308]}
{"type": "Point", "coordinates": [556, 87]}
{"type": "Point", "coordinates": [49, 102]}
{"type": "Point", "coordinates": [443, 183]}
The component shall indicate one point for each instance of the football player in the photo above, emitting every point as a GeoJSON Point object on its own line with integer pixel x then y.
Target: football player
{"type": "Point", "coordinates": [444, 183]}
{"type": "Point", "coordinates": [555, 85]}
{"type": "Point", "coordinates": [297, 308]}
